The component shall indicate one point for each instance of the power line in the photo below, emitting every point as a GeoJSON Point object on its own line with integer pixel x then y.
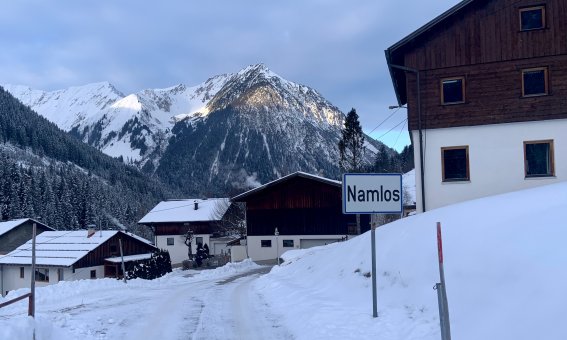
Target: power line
{"type": "Point", "coordinates": [403, 121]}
{"type": "Point", "coordinates": [399, 134]}
{"type": "Point", "coordinates": [399, 107]}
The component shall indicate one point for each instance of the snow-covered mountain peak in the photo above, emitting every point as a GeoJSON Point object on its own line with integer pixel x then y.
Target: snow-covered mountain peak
{"type": "Point", "coordinates": [257, 88]}
{"type": "Point", "coordinates": [260, 70]}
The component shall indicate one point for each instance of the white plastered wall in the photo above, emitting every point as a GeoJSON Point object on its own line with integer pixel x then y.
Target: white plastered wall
{"type": "Point", "coordinates": [178, 251]}
{"type": "Point", "coordinates": [258, 253]}
{"type": "Point", "coordinates": [496, 160]}
{"type": "Point", "coordinates": [12, 280]}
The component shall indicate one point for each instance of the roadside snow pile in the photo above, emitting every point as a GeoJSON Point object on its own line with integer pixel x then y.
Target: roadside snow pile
{"type": "Point", "coordinates": [229, 269]}
{"type": "Point", "coordinates": [505, 268]}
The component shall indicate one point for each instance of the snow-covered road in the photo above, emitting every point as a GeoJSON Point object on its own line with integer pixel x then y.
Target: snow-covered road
{"type": "Point", "coordinates": [215, 304]}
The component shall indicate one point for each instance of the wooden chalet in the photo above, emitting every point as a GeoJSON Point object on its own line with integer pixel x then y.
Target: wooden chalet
{"type": "Point", "coordinates": [71, 255]}
{"type": "Point", "coordinates": [306, 210]}
{"type": "Point", "coordinates": [171, 220]}
{"type": "Point", "coordinates": [14, 233]}
{"type": "Point", "coordinates": [485, 86]}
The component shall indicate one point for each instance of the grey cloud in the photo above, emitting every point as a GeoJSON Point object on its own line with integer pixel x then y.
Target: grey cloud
{"type": "Point", "coordinates": [333, 46]}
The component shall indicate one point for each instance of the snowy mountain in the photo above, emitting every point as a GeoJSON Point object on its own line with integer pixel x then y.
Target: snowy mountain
{"type": "Point", "coordinates": [207, 138]}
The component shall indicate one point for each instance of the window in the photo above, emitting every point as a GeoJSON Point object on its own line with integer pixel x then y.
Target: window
{"type": "Point", "coordinates": [453, 90]}
{"type": "Point", "coordinates": [113, 249]}
{"type": "Point", "coordinates": [266, 243]}
{"type": "Point", "coordinates": [288, 243]}
{"type": "Point", "coordinates": [170, 241]}
{"type": "Point", "coordinates": [534, 82]}
{"type": "Point", "coordinates": [93, 274]}
{"type": "Point", "coordinates": [455, 163]}
{"type": "Point", "coordinates": [60, 275]}
{"type": "Point", "coordinates": [42, 275]}
{"type": "Point", "coordinates": [198, 240]}
{"type": "Point", "coordinates": [538, 158]}
{"type": "Point", "coordinates": [21, 272]}
{"type": "Point", "coordinates": [532, 18]}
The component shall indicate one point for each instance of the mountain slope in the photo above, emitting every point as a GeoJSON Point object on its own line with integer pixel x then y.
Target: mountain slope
{"type": "Point", "coordinates": [81, 184]}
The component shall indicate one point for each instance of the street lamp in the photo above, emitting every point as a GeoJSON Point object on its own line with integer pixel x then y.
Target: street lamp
{"type": "Point", "coordinates": [277, 233]}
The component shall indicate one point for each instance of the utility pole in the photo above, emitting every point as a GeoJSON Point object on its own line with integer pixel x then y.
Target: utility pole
{"type": "Point", "coordinates": [31, 308]}
{"type": "Point", "coordinates": [122, 256]}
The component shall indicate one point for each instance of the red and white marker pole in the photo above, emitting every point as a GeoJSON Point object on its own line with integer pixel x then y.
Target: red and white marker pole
{"type": "Point", "coordinates": [441, 291]}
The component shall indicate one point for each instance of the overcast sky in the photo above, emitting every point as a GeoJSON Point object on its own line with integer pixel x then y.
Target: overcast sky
{"type": "Point", "coordinates": [336, 47]}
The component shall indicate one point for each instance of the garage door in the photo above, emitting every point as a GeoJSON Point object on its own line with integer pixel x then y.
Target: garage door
{"type": "Point", "coordinates": [308, 243]}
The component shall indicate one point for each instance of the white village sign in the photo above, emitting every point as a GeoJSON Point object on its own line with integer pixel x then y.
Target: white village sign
{"type": "Point", "coordinates": [372, 194]}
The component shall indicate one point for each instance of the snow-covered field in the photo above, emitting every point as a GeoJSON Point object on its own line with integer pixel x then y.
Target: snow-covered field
{"type": "Point", "coordinates": [505, 267]}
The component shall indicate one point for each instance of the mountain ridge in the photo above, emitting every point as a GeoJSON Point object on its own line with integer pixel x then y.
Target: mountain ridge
{"type": "Point", "coordinates": [251, 121]}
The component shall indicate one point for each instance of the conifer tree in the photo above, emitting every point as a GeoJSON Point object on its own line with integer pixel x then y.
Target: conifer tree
{"type": "Point", "coordinates": [351, 145]}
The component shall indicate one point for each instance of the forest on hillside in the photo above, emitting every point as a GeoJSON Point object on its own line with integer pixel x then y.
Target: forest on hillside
{"type": "Point", "coordinates": [46, 173]}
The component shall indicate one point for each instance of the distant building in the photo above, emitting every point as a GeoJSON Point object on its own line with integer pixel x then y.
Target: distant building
{"type": "Point", "coordinates": [488, 114]}
{"type": "Point", "coordinates": [171, 220]}
{"type": "Point", "coordinates": [306, 210]}
{"type": "Point", "coordinates": [14, 233]}
{"type": "Point", "coordinates": [70, 255]}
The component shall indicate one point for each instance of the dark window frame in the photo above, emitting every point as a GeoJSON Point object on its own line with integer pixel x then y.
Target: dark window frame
{"type": "Point", "coordinates": [266, 243]}
{"type": "Point", "coordinates": [44, 271]}
{"type": "Point", "coordinates": [467, 160]}
{"type": "Point", "coordinates": [284, 242]}
{"type": "Point", "coordinates": [172, 239]}
{"type": "Point", "coordinates": [463, 90]}
{"type": "Point", "coordinates": [93, 273]}
{"type": "Point", "coordinates": [531, 8]}
{"type": "Point", "coordinates": [546, 82]}
{"type": "Point", "coordinates": [551, 160]}
{"type": "Point", "coordinates": [22, 271]}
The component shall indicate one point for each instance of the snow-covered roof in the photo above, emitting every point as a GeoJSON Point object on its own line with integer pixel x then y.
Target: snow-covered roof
{"type": "Point", "coordinates": [285, 178]}
{"type": "Point", "coordinates": [211, 209]}
{"type": "Point", "coordinates": [58, 248]}
{"type": "Point", "coordinates": [129, 258]}
{"type": "Point", "coordinates": [9, 225]}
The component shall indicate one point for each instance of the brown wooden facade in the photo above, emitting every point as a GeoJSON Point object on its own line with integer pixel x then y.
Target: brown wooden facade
{"type": "Point", "coordinates": [111, 248]}
{"type": "Point", "coordinates": [481, 41]}
{"type": "Point", "coordinates": [298, 205]}
{"type": "Point", "coordinates": [181, 228]}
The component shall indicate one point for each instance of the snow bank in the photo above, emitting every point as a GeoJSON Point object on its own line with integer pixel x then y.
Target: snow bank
{"type": "Point", "coordinates": [229, 269]}
{"type": "Point", "coordinates": [504, 265]}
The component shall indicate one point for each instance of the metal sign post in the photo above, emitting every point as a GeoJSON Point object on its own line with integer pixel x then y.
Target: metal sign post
{"type": "Point", "coordinates": [372, 194]}
{"type": "Point", "coordinates": [374, 292]}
